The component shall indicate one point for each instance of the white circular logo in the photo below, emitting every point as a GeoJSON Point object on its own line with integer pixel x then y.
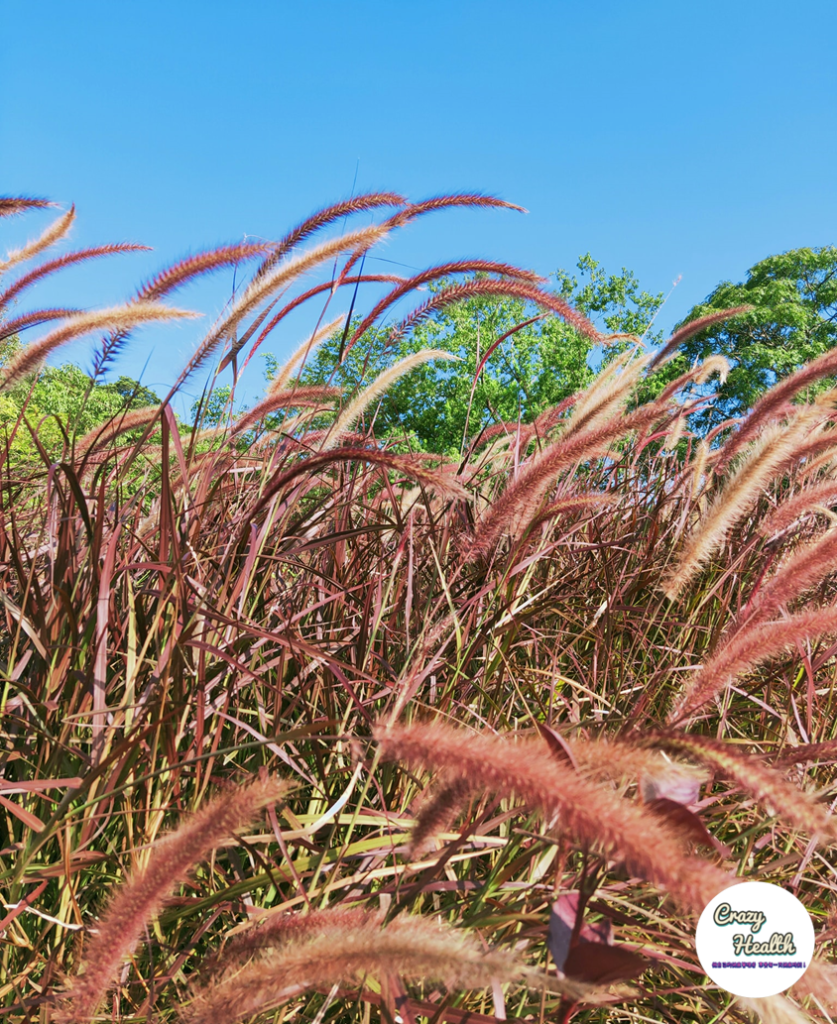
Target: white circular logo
{"type": "Point", "coordinates": [755, 939]}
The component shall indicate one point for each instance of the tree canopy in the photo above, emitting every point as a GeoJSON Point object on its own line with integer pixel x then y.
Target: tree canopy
{"type": "Point", "coordinates": [792, 321]}
{"type": "Point", "coordinates": [62, 401]}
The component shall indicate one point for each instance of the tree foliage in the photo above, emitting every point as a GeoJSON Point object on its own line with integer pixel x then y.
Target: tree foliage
{"type": "Point", "coordinates": [793, 320]}
{"type": "Point", "coordinates": [61, 402]}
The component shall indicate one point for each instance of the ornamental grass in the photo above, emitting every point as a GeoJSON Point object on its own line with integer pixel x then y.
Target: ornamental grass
{"type": "Point", "coordinates": [300, 723]}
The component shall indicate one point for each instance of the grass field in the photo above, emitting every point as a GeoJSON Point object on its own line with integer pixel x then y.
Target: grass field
{"type": "Point", "coordinates": [302, 725]}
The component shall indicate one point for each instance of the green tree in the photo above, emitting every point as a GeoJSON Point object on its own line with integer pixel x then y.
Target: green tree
{"type": "Point", "coordinates": [212, 409]}
{"type": "Point", "coordinates": [793, 320]}
{"type": "Point", "coordinates": [59, 403]}
{"type": "Point", "coordinates": [530, 371]}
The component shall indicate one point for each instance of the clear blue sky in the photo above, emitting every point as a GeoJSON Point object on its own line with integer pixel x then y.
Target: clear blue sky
{"type": "Point", "coordinates": [673, 138]}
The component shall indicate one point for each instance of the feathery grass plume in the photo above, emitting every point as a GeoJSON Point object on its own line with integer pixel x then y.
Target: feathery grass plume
{"type": "Point", "coordinates": [65, 261]}
{"type": "Point", "coordinates": [435, 274]}
{"type": "Point", "coordinates": [34, 319]}
{"type": "Point", "coordinates": [819, 980]}
{"type": "Point", "coordinates": [591, 813]}
{"type": "Point", "coordinates": [261, 288]}
{"type": "Point", "coordinates": [618, 759]}
{"type": "Point", "coordinates": [522, 498]}
{"type": "Point", "coordinates": [574, 503]}
{"type": "Point", "coordinates": [339, 948]}
{"type": "Point", "coordinates": [141, 898]}
{"type": "Point", "coordinates": [327, 286]}
{"type": "Point", "coordinates": [743, 489]}
{"type": "Point", "coordinates": [687, 331]}
{"type": "Point", "coordinates": [475, 199]}
{"type": "Point", "coordinates": [54, 233]}
{"type": "Point", "coordinates": [698, 374]}
{"type": "Point", "coordinates": [278, 928]}
{"type": "Point", "coordinates": [789, 803]}
{"type": "Point", "coordinates": [119, 318]}
{"type": "Point", "coordinates": [805, 502]}
{"type": "Point", "coordinates": [747, 649]}
{"type": "Point", "coordinates": [825, 751]}
{"type": "Point", "coordinates": [772, 402]}
{"type": "Point", "coordinates": [291, 398]}
{"type": "Point", "coordinates": [503, 288]}
{"type": "Point", "coordinates": [378, 386]}
{"type": "Point", "coordinates": [12, 206]}
{"type": "Point", "coordinates": [774, 1009]}
{"type": "Point", "coordinates": [607, 394]}
{"type": "Point", "coordinates": [118, 425]}
{"type": "Point", "coordinates": [804, 568]}
{"type": "Point", "coordinates": [698, 469]}
{"type": "Point", "coordinates": [437, 812]}
{"type": "Point", "coordinates": [201, 263]}
{"type": "Point", "coordinates": [324, 217]}
{"type": "Point", "coordinates": [283, 374]}
{"type": "Point", "coordinates": [675, 433]}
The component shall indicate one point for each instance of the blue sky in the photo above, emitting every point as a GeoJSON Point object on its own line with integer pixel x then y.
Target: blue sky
{"type": "Point", "coordinates": [687, 139]}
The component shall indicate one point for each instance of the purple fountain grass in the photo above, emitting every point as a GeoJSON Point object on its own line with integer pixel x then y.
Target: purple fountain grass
{"type": "Point", "coordinates": [355, 408]}
{"type": "Point", "coordinates": [824, 751]}
{"type": "Point", "coordinates": [819, 980]}
{"type": "Point", "coordinates": [804, 503]}
{"type": "Point", "coordinates": [770, 405]}
{"type": "Point", "coordinates": [13, 206]}
{"type": "Point", "coordinates": [522, 498]}
{"type": "Point", "coordinates": [607, 395]}
{"type": "Point", "coordinates": [698, 375]}
{"type": "Point", "coordinates": [792, 805]}
{"type": "Point", "coordinates": [773, 1009]}
{"type": "Point", "coordinates": [590, 813]}
{"type": "Point", "coordinates": [262, 288]}
{"type": "Point", "coordinates": [118, 425]}
{"type": "Point", "coordinates": [140, 899]}
{"type": "Point", "coordinates": [437, 812]}
{"type": "Point", "coordinates": [748, 648]}
{"type": "Point", "coordinates": [276, 929]}
{"type": "Point", "coordinates": [574, 503]}
{"type": "Point", "coordinates": [119, 318]}
{"type": "Point", "coordinates": [435, 274]}
{"type": "Point", "coordinates": [689, 330]}
{"type": "Point", "coordinates": [328, 215]}
{"type": "Point", "coordinates": [8, 328]}
{"type": "Point", "coordinates": [299, 300]}
{"type": "Point", "coordinates": [289, 398]}
{"type": "Point", "coordinates": [302, 352]}
{"type": "Point", "coordinates": [201, 263]}
{"type": "Point", "coordinates": [773, 450]}
{"type": "Point", "coordinates": [478, 200]}
{"type": "Point", "coordinates": [443, 482]}
{"type": "Point", "coordinates": [54, 233]}
{"type": "Point", "coordinates": [620, 759]}
{"type": "Point", "coordinates": [68, 260]}
{"type": "Point", "coordinates": [502, 289]}
{"type": "Point", "coordinates": [329, 948]}
{"type": "Point", "coordinates": [803, 569]}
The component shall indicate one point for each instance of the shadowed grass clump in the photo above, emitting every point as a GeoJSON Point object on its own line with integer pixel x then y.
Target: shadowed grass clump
{"type": "Point", "coordinates": [590, 666]}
